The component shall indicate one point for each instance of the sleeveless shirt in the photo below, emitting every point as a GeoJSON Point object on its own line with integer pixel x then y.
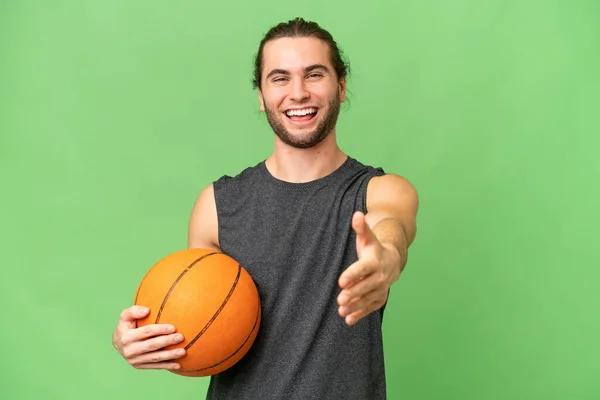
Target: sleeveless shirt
{"type": "Point", "coordinates": [295, 239]}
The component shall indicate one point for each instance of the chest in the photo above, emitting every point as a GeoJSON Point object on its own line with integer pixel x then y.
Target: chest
{"type": "Point", "coordinates": [295, 249]}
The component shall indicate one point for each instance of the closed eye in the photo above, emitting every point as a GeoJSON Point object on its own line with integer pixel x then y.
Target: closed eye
{"type": "Point", "coordinates": [280, 79]}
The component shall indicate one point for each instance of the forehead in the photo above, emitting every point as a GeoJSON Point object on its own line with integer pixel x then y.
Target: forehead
{"type": "Point", "coordinates": [295, 53]}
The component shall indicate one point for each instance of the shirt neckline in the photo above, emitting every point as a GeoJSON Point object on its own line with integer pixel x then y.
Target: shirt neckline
{"type": "Point", "coordinates": [300, 185]}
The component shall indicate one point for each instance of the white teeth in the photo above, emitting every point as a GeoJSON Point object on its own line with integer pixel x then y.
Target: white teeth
{"type": "Point", "coordinates": [301, 112]}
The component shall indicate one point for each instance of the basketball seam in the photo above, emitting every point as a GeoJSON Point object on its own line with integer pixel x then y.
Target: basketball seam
{"type": "Point", "coordinates": [177, 281]}
{"type": "Point", "coordinates": [216, 314]}
{"type": "Point", "coordinates": [235, 352]}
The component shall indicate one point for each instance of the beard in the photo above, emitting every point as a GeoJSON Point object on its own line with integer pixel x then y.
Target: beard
{"type": "Point", "coordinates": [308, 139]}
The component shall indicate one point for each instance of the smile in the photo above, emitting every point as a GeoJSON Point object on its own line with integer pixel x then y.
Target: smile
{"type": "Point", "coordinates": [302, 114]}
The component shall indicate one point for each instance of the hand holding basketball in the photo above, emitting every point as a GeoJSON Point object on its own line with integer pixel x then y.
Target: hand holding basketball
{"type": "Point", "coordinates": [208, 297]}
{"type": "Point", "coordinates": [143, 347]}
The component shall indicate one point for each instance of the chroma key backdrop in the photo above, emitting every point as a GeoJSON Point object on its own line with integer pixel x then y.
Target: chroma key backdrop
{"type": "Point", "coordinates": [115, 114]}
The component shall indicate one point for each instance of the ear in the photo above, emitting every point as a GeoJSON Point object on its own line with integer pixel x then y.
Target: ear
{"type": "Point", "coordinates": [262, 101]}
{"type": "Point", "coordinates": [342, 86]}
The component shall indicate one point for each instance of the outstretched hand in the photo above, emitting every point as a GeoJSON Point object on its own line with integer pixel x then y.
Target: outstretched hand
{"type": "Point", "coordinates": [365, 284]}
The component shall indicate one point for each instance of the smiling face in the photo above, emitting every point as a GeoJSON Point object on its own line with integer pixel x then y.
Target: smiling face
{"type": "Point", "coordinates": [300, 92]}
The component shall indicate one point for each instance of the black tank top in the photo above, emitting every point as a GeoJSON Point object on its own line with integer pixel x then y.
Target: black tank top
{"type": "Point", "coordinates": [295, 239]}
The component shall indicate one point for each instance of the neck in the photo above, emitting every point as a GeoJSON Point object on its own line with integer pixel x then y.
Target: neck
{"type": "Point", "coordinates": [295, 165]}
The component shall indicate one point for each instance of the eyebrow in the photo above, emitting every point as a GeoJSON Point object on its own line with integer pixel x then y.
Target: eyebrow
{"type": "Point", "coordinates": [310, 68]}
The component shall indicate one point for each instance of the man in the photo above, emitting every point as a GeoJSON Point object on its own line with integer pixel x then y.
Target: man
{"type": "Point", "coordinates": [323, 236]}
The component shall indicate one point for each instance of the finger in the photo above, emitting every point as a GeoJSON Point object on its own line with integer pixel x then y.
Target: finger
{"type": "Point", "coordinates": [354, 273]}
{"type": "Point", "coordinates": [374, 298]}
{"type": "Point", "coordinates": [366, 285]}
{"type": "Point", "coordinates": [167, 366]}
{"type": "Point", "coordinates": [149, 345]}
{"type": "Point", "coordinates": [157, 357]}
{"type": "Point", "coordinates": [129, 315]}
{"type": "Point", "coordinates": [147, 332]}
{"type": "Point", "coordinates": [348, 308]}
{"type": "Point", "coordinates": [356, 316]}
{"type": "Point", "coordinates": [134, 312]}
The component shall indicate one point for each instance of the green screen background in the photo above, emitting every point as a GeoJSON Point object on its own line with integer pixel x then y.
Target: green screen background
{"type": "Point", "coordinates": [115, 114]}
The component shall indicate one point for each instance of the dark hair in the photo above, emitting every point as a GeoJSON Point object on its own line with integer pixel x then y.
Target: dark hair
{"type": "Point", "coordinates": [298, 28]}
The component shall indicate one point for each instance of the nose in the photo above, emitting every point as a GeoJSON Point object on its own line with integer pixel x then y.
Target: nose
{"type": "Point", "coordinates": [298, 92]}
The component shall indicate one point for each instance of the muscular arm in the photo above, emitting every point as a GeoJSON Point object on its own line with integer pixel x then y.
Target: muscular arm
{"type": "Point", "coordinates": [383, 236]}
{"type": "Point", "coordinates": [392, 206]}
{"type": "Point", "coordinates": [203, 231]}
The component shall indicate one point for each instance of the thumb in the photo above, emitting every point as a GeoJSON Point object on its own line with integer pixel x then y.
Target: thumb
{"type": "Point", "coordinates": [364, 234]}
{"type": "Point", "coordinates": [129, 315]}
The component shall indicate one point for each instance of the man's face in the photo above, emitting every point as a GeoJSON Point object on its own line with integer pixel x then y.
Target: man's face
{"type": "Point", "coordinates": [300, 92]}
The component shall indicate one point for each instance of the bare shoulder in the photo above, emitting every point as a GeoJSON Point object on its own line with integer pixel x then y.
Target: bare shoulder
{"type": "Point", "coordinates": [392, 196]}
{"type": "Point", "coordinates": [203, 230]}
{"type": "Point", "coordinates": [392, 190]}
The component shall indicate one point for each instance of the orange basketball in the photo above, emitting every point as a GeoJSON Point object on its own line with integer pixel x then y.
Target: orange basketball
{"type": "Point", "coordinates": [211, 300]}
